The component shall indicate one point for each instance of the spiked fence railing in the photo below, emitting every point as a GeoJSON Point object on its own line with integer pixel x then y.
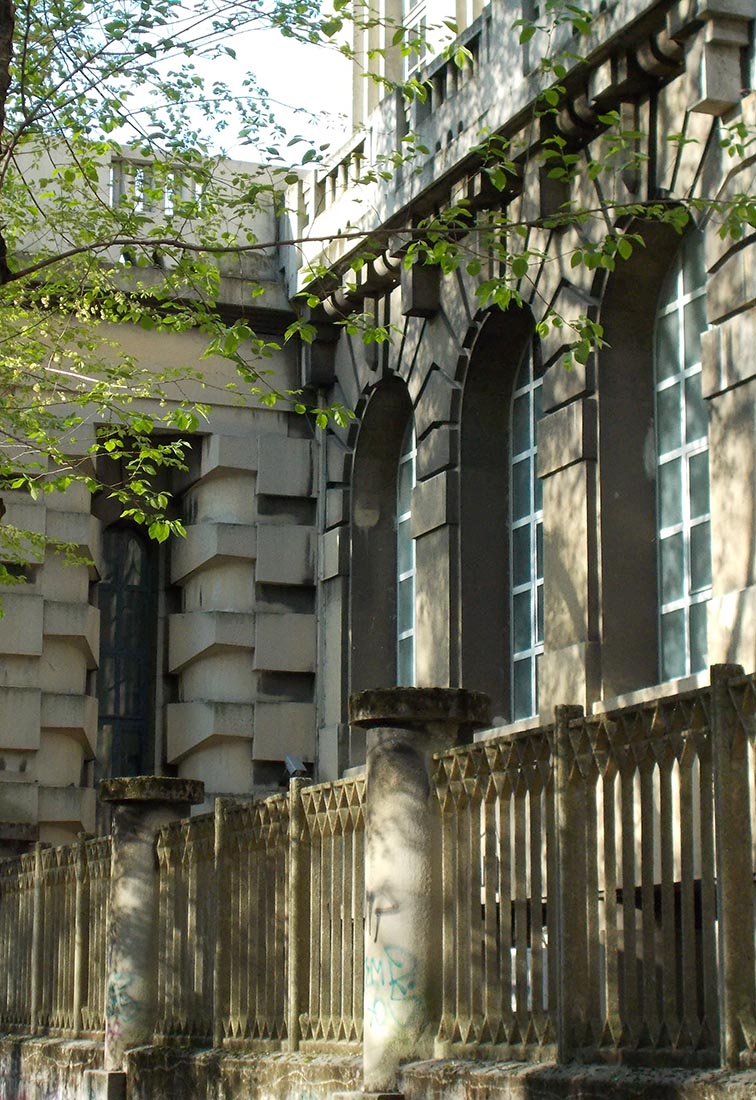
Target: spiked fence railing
{"type": "Point", "coordinates": [637, 811]}
{"type": "Point", "coordinates": [186, 939]}
{"type": "Point", "coordinates": [17, 884]}
{"type": "Point", "coordinates": [52, 939]}
{"type": "Point", "coordinates": [252, 965]}
{"type": "Point", "coordinates": [594, 877]}
{"type": "Point", "coordinates": [333, 830]}
{"type": "Point", "coordinates": [497, 869]}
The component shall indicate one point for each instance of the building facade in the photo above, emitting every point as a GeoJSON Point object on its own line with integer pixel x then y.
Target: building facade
{"type": "Point", "coordinates": [489, 519]}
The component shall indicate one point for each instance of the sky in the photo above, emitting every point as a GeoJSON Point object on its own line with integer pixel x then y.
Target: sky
{"type": "Point", "coordinates": [301, 79]}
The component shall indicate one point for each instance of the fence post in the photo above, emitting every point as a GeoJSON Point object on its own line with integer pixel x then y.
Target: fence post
{"type": "Point", "coordinates": [81, 933]}
{"type": "Point", "coordinates": [142, 805]}
{"type": "Point", "coordinates": [295, 904]}
{"type": "Point", "coordinates": [734, 874]}
{"type": "Point", "coordinates": [405, 726]}
{"type": "Point", "coordinates": [37, 948]}
{"type": "Point", "coordinates": [571, 887]}
{"type": "Point", "coordinates": [222, 918]}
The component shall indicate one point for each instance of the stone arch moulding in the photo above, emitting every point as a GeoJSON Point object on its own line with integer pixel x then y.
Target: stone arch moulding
{"type": "Point", "coordinates": [627, 479]}
{"type": "Point", "coordinates": [372, 598]}
{"type": "Point", "coordinates": [487, 373]}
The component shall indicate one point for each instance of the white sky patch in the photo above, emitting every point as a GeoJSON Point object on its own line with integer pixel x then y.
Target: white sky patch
{"type": "Point", "coordinates": [309, 87]}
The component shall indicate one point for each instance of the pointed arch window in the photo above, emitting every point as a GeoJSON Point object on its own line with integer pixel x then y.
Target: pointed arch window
{"type": "Point", "coordinates": [682, 466]}
{"type": "Point", "coordinates": [405, 562]}
{"type": "Point", "coordinates": [526, 526]}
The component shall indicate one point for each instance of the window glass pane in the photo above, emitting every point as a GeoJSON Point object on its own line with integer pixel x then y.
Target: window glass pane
{"type": "Point", "coordinates": [405, 548]}
{"type": "Point", "coordinates": [696, 413]}
{"type": "Point", "coordinates": [521, 488]}
{"type": "Point", "coordinates": [700, 557]}
{"type": "Point", "coordinates": [526, 495]}
{"type": "Point", "coordinates": [695, 324]}
{"type": "Point", "coordinates": [683, 482]}
{"type": "Point", "coordinates": [405, 605]}
{"type": "Point", "coordinates": [672, 568]}
{"type": "Point", "coordinates": [523, 688]}
{"type": "Point", "coordinates": [522, 628]}
{"type": "Point", "coordinates": [521, 424]}
{"type": "Point", "coordinates": [404, 490]}
{"type": "Point", "coordinates": [521, 555]}
{"type": "Point", "coordinates": [667, 346]}
{"type": "Point", "coordinates": [406, 662]}
{"type": "Point", "coordinates": [699, 645]}
{"type": "Point", "coordinates": [670, 493]}
{"type": "Point", "coordinates": [693, 262]}
{"type": "Point", "coordinates": [698, 471]}
{"type": "Point", "coordinates": [673, 645]}
{"type": "Point", "coordinates": [669, 418]}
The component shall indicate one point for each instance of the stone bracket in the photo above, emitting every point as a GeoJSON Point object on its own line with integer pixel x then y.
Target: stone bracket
{"type": "Point", "coordinates": [714, 32]}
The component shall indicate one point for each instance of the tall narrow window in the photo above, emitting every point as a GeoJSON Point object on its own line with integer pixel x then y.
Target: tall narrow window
{"type": "Point", "coordinates": [405, 563]}
{"type": "Point", "coordinates": [126, 676]}
{"type": "Point", "coordinates": [682, 466]}
{"type": "Point", "coordinates": [527, 537]}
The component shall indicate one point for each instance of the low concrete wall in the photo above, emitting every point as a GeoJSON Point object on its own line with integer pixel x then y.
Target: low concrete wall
{"type": "Point", "coordinates": [46, 1069]}
{"type": "Point", "coordinates": [53, 1069]}
{"type": "Point", "coordinates": [166, 1073]}
{"type": "Point", "coordinates": [455, 1080]}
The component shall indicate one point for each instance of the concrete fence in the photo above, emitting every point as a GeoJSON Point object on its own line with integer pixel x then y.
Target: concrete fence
{"type": "Point", "coordinates": [53, 911]}
{"type": "Point", "coordinates": [584, 890]}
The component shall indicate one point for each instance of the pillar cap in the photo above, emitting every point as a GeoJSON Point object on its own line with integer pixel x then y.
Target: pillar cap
{"type": "Point", "coordinates": [417, 706]}
{"type": "Point", "coordinates": [152, 788]}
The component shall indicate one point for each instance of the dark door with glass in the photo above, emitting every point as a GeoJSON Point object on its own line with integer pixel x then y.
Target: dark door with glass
{"type": "Point", "coordinates": [126, 678]}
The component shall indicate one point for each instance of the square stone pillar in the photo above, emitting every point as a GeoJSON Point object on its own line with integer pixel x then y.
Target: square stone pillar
{"type": "Point", "coordinates": [141, 805]}
{"type": "Point", "coordinates": [405, 726]}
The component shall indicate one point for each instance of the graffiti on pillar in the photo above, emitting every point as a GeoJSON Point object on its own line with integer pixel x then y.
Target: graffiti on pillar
{"type": "Point", "coordinates": [120, 1005]}
{"type": "Point", "coordinates": [379, 903]}
{"type": "Point", "coordinates": [391, 985]}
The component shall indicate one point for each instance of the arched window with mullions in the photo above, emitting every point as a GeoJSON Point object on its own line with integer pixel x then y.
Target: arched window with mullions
{"type": "Point", "coordinates": [682, 466]}
{"type": "Point", "coordinates": [526, 535]}
{"type": "Point", "coordinates": [405, 562]}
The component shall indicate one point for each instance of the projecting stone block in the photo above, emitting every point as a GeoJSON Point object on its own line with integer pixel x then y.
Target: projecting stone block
{"type": "Point", "coordinates": [69, 805]}
{"type": "Point", "coordinates": [78, 622]}
{"type": "Point", "coordinates": [337, 507]}
{"type": "Point", "coordinates": [434, 503]}
{"type": "Point", "coordinates": [285, 643]}
{"type": "Point", "coordinates": [284, 554]}
{"type": "Point", "coordinates": [284, 729]}
{"type": "Point", "coordinates": [190, 725]}
{"type": "Point", "coordinates": [732, 628]}
{"type": "Point", "coordinates": [566, 436]}
{"type": "Point", "coordinates": [727, 353]}
{"type": "Point", "coordinates": [334, 553]}
{"type": "Point", "coordinates": [207, 543]}
{"type": "Point", "coordinates": [78, 528]}
{"type": "Point", "coordinates": [285, 467]}
{"type": "Point", "coordinates": [72, 715]}
{"type": "Point", "coordinates": [199, 633]}
{"type": "Point", "coordinates": [21, 625]}
{"type": "Point", "coordinates": [437, 450]}
{"type": "Point", "coordinates": [20, 801]}
{"type": "Point", "coordinates": [223, 454]}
